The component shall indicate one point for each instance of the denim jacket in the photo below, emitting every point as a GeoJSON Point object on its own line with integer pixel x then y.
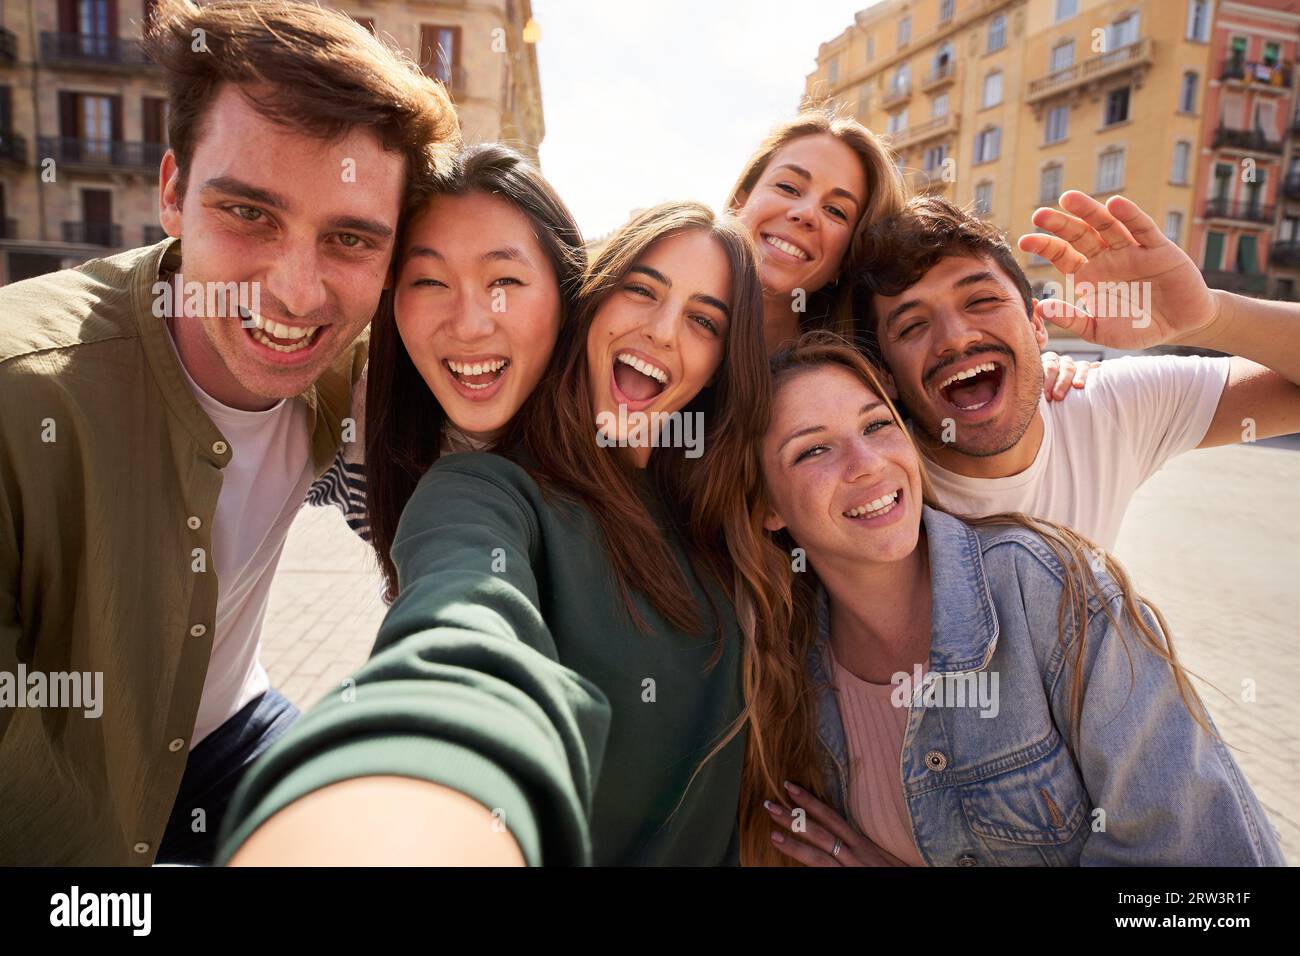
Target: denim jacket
{"type": "Point", "coordinates": [1145, 786]}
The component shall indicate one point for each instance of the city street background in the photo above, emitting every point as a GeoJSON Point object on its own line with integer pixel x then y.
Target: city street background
{"type": "Point", "coordinates": [1213, 539]}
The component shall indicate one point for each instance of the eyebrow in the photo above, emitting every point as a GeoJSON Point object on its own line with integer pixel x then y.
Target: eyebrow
{"type": "Point", "coordinates": [265, 197]}
{"type": "Point", "coordinates": [504, 254]}
{"type": "Point", "coordinates": [811, 429]}
{"type": "Point", "coordinates": [837, 191]}
{"type": "Point", "coordinates": [972, 279]}
{"type": "Point", "coordinates": [702, 297]}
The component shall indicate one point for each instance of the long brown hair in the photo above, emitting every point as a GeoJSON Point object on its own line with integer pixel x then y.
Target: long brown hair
{"type": "Point", "coordinates": [554, 437]}
{"type": "Point", "coordinates": [781, 704]}
{"type": "Point", "coordinates": [404, 419]}
{"type": "Point", "coordinates": [831, 306]}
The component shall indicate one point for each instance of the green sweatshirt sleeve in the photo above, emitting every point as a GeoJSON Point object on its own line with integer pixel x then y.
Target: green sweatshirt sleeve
{"type": "Point", "coordinates": [464, 687]}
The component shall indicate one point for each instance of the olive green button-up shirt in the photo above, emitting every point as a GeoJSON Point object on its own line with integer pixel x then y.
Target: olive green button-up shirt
{"type": "Point", "coordinates": [109, 478]}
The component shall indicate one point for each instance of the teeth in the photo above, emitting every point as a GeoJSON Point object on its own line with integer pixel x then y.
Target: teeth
{"type": "Point", "coordinates": [785, 247]}
{"type": "Point", "coordinates": [477, 368]}
{"type": "Point", "coordinates": [262, 339]}
{"type": "Point", "coordinates": [281, 331]}
{"type": "Point", "coordinates": [874, 508]}
{"type": "Point", "coordinates": [969, 373]}
{"type": "Point", "coordinates": [645, 368]}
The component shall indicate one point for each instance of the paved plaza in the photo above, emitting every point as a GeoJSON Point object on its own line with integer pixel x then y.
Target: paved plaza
{"type": "Point", "coordinates": [1213, 539]}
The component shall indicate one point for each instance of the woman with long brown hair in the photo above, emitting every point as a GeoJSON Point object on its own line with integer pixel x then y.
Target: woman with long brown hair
{"type": "Point", "coordinates": [561, 660]}
{"type": "Point", "coordinates": [955, 691]}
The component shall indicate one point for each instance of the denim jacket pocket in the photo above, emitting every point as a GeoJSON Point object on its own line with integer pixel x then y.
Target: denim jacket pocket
{"type": "Point", "coordinates": [1041, 802]}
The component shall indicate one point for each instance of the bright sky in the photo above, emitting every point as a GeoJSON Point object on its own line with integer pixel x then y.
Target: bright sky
{"type": "Point", "coordinates": [654, 100]}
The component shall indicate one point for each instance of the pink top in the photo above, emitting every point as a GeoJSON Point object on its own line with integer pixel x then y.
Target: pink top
{"type": "Point", "coordinates": [874, 729]}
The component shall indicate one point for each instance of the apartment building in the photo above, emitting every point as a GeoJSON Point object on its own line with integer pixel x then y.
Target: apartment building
{"type": "Point", "coordinates": [1000, 105]}
{"type": "Point", "coordinates": [83, 113]}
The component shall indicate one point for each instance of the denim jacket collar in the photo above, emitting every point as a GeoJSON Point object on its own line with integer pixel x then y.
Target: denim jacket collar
{"type": "Point", "coordinates": [963, 632]}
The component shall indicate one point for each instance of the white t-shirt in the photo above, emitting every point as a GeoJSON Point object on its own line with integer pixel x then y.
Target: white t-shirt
{"type": "Point", "coordinates": [1100, 444]}
{"type": "Point", "coordinates": [262, 488]}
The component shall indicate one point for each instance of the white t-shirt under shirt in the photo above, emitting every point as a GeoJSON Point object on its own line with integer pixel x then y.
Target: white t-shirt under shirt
{"type": "Point", "coordinates": [1100, 444]}
{"type": "Point", "coordinates": [262, 488]}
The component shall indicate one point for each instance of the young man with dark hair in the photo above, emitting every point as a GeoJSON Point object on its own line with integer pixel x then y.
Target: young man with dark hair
{"type": "Point", "coordinates": [165, 411]}
{"type": "Point", "coordinates": [946, 309]}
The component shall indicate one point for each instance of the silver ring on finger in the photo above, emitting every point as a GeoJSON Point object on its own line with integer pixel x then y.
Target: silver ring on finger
{"type": "Point", "coordinates": [839, 845]}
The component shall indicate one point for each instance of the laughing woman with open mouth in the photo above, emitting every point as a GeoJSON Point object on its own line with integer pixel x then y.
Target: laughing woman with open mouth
{"type": "Point", "coordinates": [1052, 723]}
{"type": "Point", "coordinates": [561, 663]}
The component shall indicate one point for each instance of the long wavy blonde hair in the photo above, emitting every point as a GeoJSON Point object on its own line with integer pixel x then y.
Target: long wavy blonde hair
{"type": "Point", "coordinates": [777, 610]}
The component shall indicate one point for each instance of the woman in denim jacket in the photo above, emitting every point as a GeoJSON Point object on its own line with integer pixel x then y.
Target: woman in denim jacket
{"type": "Point", "coordinates": [991, 692]}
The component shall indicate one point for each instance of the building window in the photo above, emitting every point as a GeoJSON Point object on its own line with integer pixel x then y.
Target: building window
{"type": "Point", "coordinates": [1066, 9]}
{"type": "Point", "coordinates": [833, 70]}
{"type": "Point", "coordinates": [1187, 94]}
{"type": "Point", "coordinates": [897, 122]}
{"type": "Point", "coordinates": [1182, 163]}
{"type": "Point", "coordinates": [901, 81]}
{"type": "Point", "coordinates": [1050, 182]}
{"type": "Point", "coordinates": [997, 33]}
{"type": "Point", "coordinates": [153, 115]}
{"type": "Point", "coordinates": [1122, 32]}
{"type": "Point", "coordinates": [934, 157]}
{"type": "Point", "coordinates": [984, 199]}
{"type": "Point", "coordinates": [905, 31]}
{"type": "Point", "coordinates": [1198, 20]}
{"type": "Point", "coordinates": [945, 10]}
{"type": "Point", "coordinates": [988, 144]}
{"type": "Point", "coordinates": [1213, 251]}
{"type": "Point", "coordinates": [1174, 227]}
{"type": "Point", "coordinates": [992, 90]}
{"type": "Point", "coordinates": [864, 101]}
{"type": "Point", "coordinates": [1110, 171]}
{"type": "Point", "coordinates": [440, 53]}
{"type": "Point", "coordinates": [1062, 56]}
{"type": "Point", "coordinates": [871, 49]}
{"type": "Point", "coordinates": [943, 60]}
{"type": "Point", "coordinates": [1116, 107]}
{"type": "Point", "coordinates": [1247, 262]}
{"type": "Point", "coordinates": [939, 106]}
{"type": "Point", "coordinates": [1058, 118]}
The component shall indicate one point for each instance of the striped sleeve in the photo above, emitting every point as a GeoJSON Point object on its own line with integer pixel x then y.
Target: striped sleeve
{"type": "Point", "coordinates": [343, 485]}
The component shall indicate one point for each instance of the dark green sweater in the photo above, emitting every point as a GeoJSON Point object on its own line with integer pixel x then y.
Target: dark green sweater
{"type": "Point", "coordinates": [509, 669]}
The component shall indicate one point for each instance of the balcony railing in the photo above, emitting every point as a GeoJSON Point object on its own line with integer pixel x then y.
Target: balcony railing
{"type": "Point", "coordinates": [8, 46]}
{"type": "Point", "coordinates": [1241, 211]}
{"type": "Point", "coordinates": [931, 129]}
{"type": "Point", "coordinates": [940, 74]}
{"type": "Point", "coordinates": [93, 233]}
{"type": "Point", "coordinates": [1250, 140]}
{"type": "Point", "coordinates": [13, 147]}
{"type": "Point", "coordinates": [8, 228]}
{"type": "Point", "coordinates": [1243, 283]}
{"type": "Point", "coordinates": [1285, 253]}
{"type": "Point", "coordinates": [1276, 75]}
{"type": "Point", "coordinates": [92, 50]}
{"type": "Point", "coordinates": [896, 94]}
{"type": "Point", "coordinates": [103, 153]}
{"type": "Point", "coordinates": [1291, 186]}
{"type": "Point", "coordinates": [1091, 70]}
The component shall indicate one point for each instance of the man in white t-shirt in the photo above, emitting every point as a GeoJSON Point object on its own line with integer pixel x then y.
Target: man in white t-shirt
{"type": "Point", "coordinates": [947, 310]}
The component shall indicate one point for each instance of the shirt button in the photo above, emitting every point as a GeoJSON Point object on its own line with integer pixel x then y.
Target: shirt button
{"type": "Point", "coordinates": [966, 860]}
{"type": "Point", "coordinates": [198, 630]}
{"type": "Point", "coordinates": [176, 745]}
{"type": "Point", "coordinates": [193, 523]}
{"type": "Point", "coordinates": [935, 760]}
{"type": "Point", "coordinates": [141, 848]}
{"type": "Point", "coordinates": [219, 447]}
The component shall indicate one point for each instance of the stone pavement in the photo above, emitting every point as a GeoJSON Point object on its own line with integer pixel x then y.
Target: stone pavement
{"type": "Point", "coordinates": [1213, 540]}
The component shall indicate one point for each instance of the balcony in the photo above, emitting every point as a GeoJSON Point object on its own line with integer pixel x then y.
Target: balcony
{"type": "Point", "coordinates": [1242, 283]}
{"type": "Point", "coordinates": [13, 147]}
{"type": "Point", "coordinates": [945, 125]}
{"type": "Point", "coordinates": [8, 47]}
{"type": "Point", "coordinates": [1252, 212]}
{"type": "Point", "coordinates": [8, 228]}
{"type": "Point", "coordinates": [1134, 56]}
{"type": "Point", "coordinates": [896, 95]}
{"type": "Point", "coordinates": [1285, 253]}
{"type": "Point", "coordinates": [1245, 140]}
{"type": "Point", "coordinates": [89, 51]}
{"type": "Point", "coordinates": [103, 154]}
{"type": "Point", "coordinates": [928, 180]}
{"type": "Point", "coordinates": [940, 75]}
{"type": "Point", "coordinates": [1261, 77]}
{"type": "Point", "coordinates": [93, 234]}
{"type": "Point", "coordinates": [1291, 186]}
